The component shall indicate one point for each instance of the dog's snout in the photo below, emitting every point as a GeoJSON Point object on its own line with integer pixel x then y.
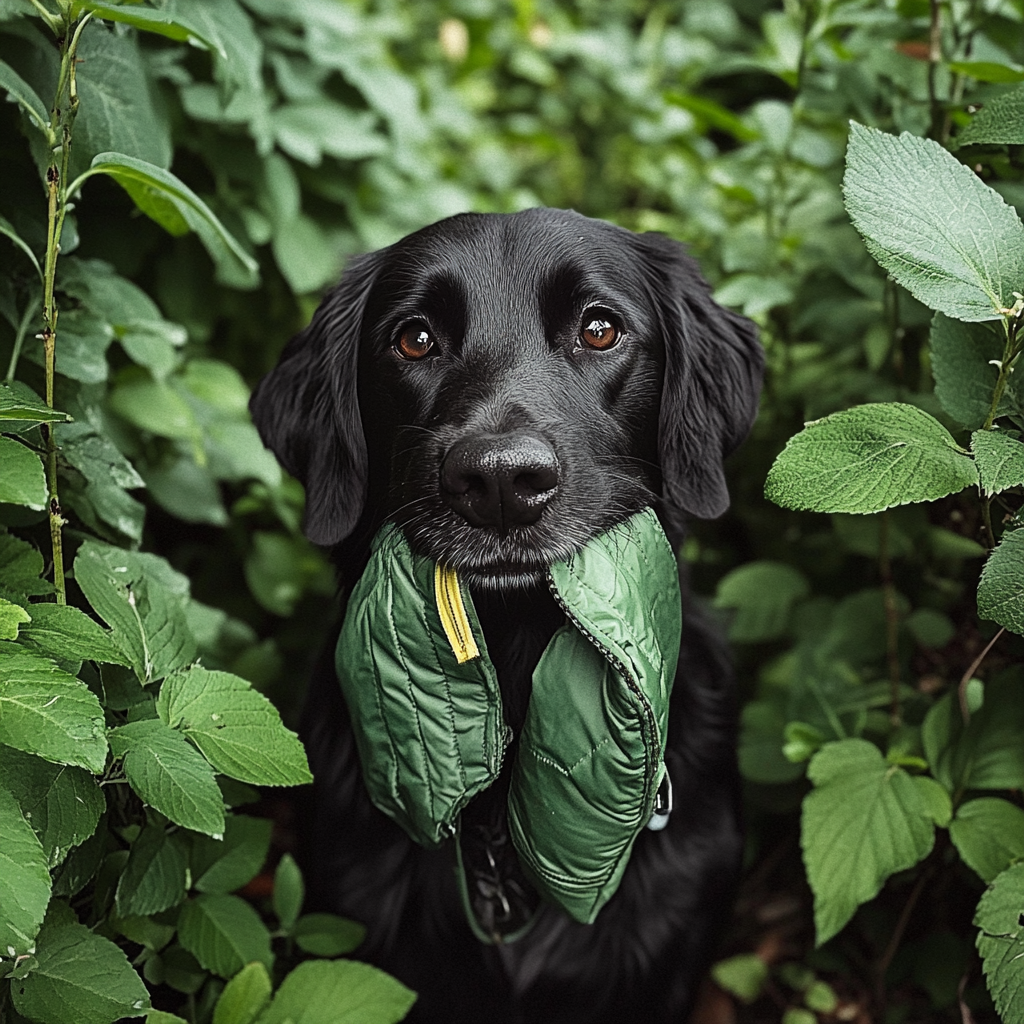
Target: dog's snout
{"type": "Point", "coordinates": [500, 480]}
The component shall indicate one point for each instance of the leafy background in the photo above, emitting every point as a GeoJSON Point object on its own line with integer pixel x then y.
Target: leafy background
{"type": "Point", "coordinates": [315, 129]}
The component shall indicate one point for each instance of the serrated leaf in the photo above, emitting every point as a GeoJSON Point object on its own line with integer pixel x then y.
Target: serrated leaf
{"type": "Point", "coordinates": [26, 98]}
{"type": "Point", "coordinates": [289, 891]}
{"type": "Point", "coordinates": [22, 481]}
{"type": "Point", "coordinates": [863, 821]}
{"type": "Point", "coordinates": [12, 617]}
{"type": "Point", "coordinates": [61, 631]}
{"type": "Point", "coordinates": [327, 934]}
{"type": "Point", "coordinates": [244, 996]}
{"type": "Point", "coordinates": [143, 600]}
{"type": "Point", "coordinates": [237, 728]}
{"type": "Point", "coordinates": [1000, 460]}
{"type": "Point", "coordinates": [999, 122]}
{"type": "Point", "coordinates": [154, 877]}
{"type": "Point", "coordinates": [63, 804]}
{"type": "Point", "coordinates": [81, 977]}
{"type": "Point", "coordinates": [1000, 918]}
{"type": "Point", "coordinates": [143, 180]}
{"type": "Point", "coordinates": [24, 880]}
{"type": "Point", "coordinates": [339, 992]}
{"type": "Point", "coordinates": [867, 459]}
{"type": "Point", "coordinates": [167, 772]}
{"type": "Point", "coordinates": [45, 711]}
{"type": "Point", "coordinates": [935, 799]}
{"type": "Point", "coordinates": [223, 933]}
{"type": "Point", "coordinates": [20, 568]}
{"type": "Point", "coordinates": [933, 224]}
{"type": "Point", "coordinates": [97, 459]}
{"type": "Point", "coordinates": [227, 864]}
{"type": "Point", "coordinates": [19, 402]}
{"type": "Point", "coordinates": [989, 834]}
{"type": "Point", "coordinates": [1001, 590]}
{"type": "Point", "coordinates": [965, 379]}
{"type": "Point", "coordinates": [763, 594]}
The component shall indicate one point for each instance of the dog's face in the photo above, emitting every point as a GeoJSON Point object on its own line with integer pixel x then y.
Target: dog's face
{"type": "Point", "coordinates": [508, 386]}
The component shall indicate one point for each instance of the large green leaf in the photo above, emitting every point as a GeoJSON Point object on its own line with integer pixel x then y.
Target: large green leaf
{"type": "Point", "coordinates": [965, 377]}
{"type": "Point", "coordinates": [22, 481]}
{"type": "Point", "coordinates": [224, 865]}
{"type": "Point", "coordinates": [919, 210]}
{"type": "Point", "coordinates": [61, 631]}
{"type": "Point", "coordinates": [12, 617]}
{"type": "Point", "coordinates": [864, 821]}
{"type": "Point", "coordinates": [80, 977]}
{"type": "Point", "coordinates": [63, 803]}
{"type": "Point", "coordinates": [338, 992]}
{"type": "Point", "coordinates": [867, 459]}
{"type": "Point", "coordinates": [289, 891]}
{"type": "Point", "coordinates": [763, 595]}
{"type": "Point", "coordinates": [989, 833]}
{"type": "Point", "coordinates": [327, 934]}
{"type": "Point", "coordinates": [1000, 918]}
{"type": "Point", "coordinates": [237, 728]}
{"type": "Point", "coordinates": [1000, 460]}
{"type": "Point", "coordinates": [154, 190]}
{"type": "Point", "coordinates": [224, 933]}
{"type": "Point", "coordinates": [25, 96]}
{"type": "Point", "coordinates": [1000, 121]}
{"type": "Point", "coordinates": [45, 711]}
{"type": "Point", "coordinates": [19, 402]}
{"type": "Point", "coordinates": [160, 22]}
{"type": "Point", "coordinates": [1001, 590]}
{"type": "Point", "coordinates": [24, 880]}
{"type": "Point", "coordinates": [154, 877]}
{"type": "Point", "coordinates": [21, 565]}
{"type": "Point", "coordinates": [143, 601]}
{"type": "Point", "coordinates": [165, 770]}
{"type": "Point", "coordinates": [244, 996]}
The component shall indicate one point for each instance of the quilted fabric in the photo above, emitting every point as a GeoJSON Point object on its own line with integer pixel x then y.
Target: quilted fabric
{"type": "Point", "coordinates": [431, 733]}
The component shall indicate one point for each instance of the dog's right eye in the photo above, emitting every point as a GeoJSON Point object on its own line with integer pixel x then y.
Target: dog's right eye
{"type": "Point", "coordinates": [415, 342]}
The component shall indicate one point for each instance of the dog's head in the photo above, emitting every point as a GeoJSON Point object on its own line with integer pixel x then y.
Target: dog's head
{"type": "Point", "coordinates": [508, 386]}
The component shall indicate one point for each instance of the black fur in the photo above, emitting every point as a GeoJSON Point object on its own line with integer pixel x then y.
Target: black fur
{"type": "Point", "coordinates": [645, 422]}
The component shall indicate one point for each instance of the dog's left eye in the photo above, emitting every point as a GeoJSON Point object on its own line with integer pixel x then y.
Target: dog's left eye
{"type": "Point", "coordinates": [598, 331]}
{"type": "Point", "coordinates": [415, 342]}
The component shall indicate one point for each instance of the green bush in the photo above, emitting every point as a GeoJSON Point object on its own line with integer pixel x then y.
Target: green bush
{"type": "Point", "coordinates": [214, 189]}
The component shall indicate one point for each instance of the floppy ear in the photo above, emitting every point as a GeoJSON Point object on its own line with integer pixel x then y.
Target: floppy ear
{"type": "Point", "coordinates": [307, 412]}
{"type": "Point", "coordinates": [713, 369]}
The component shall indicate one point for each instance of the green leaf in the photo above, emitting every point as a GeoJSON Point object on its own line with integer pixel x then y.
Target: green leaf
{"type": "Point", "coordinates": [24, 880]}
{"type": "Point", "coordinates": [1000, 121]}
{"type": "Point", "coordinates": [19, 402]}
{"type": "Point", "coordinates": [60, 631]}
{"type": "Point", "coordinates": [153, 188]}
{"type": "Point", "coordinates": [81, 977]}
{"type": "Point", "coordinates": [339, 992]}
{"type": "Point", "coordinates": [12, 616]}
{"type": "Point", "coordinates": [987, 70]}
{"type": "Point", "coordinates": [147, 20]}
{"type": "Point", "coordinates": [989, 833]}
{"type": "Point", "coordinates": [165, 770]}
{"type": "Point", "coordinates": [1000, 918]}
{"type": "Point", "coordinates": [161, 1017]}
{"type": "Point", "coordinates": [761, 739]}
{"type": "Point", "coordinates": [146, 931]}
{"type": "Point", "coordinates": [22, 481]}
{"type": "Point", "coordinates": [143, 600]}
{"type": "Point", "coordinates": [930, 628]}
{"type": "Point", "coordinates": [224, 933]}
{"type": "Point", "coordinates": [918, 209]}
{"type": "Point", "coordinates": [155, 406]}
{"type": "Point", "coordinates": [289, 891]}
{"type": "Point", "coordinates": [1001, 590]}
{"type": "Point", "coordinates": [743, 976]}
{"type": "Point", "coordinates": [763, 594]}
{"type": "Point", "coordinates": [25, 96]}
{"type": "Point", "coordinates": [864, 821]}
{"type": "Point", "coordinates": [97, 459]}
{"type": "Point", "coordinates": [867, 459]}
{"type": "Point", "coordinates": [227, 864]}
{"type": "Point", "coordinates": [237, 728]}
{"type": "Point", "coordinates": [308, 131]}
{"type": "Point", "coordinates": [936, 800]}
{"type": "Point", "coordinates": [154, 877]}
{"type": "Point", "coordinates": [62, 803]}
{"type": "Point", "coordinates": [1000, 460]}
{"type": "Point", "coordinates": [7, 228]}
{"type": "Point", "coordinates": [45, 711]}
{"type": "Point", "coordinates": [327, 934]}
{"type": "Point", "coordinates": [962, 358]}
{"type": "Point", "coordinates": [244, 996]}
{"type": "Point", "coordinates": [20, 568]}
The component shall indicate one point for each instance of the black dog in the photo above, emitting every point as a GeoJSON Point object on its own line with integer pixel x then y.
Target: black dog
{"type": "Point", "coordinates": [506, 387]}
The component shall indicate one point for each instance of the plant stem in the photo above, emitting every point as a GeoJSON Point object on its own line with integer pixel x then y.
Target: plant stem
{"type": "Point", "coordinates": [934, 59]}
{"type": "Point", "coordinates": [31, 309]}
{"type": "Point", "coordinates": [1010, 353]}
{"type": "Point", "coordinates": [901, 927]}
{"type": "Point", "coordinates": [965, 711]}
{"type": "Point", "coordinates": [892, 622]}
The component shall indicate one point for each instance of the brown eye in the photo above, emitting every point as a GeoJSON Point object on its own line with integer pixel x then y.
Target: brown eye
{"type": "Point", "coordinates": [598, 332]}
{"type": "Point", "coordinates": [415, 342]}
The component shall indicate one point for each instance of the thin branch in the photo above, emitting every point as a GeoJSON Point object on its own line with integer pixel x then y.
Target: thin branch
{"type": "Point", "coordinates": [965, 712]}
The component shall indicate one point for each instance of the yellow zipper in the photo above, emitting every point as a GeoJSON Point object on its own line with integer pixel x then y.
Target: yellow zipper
{"type": "Point", "coordinates": [453, 614]}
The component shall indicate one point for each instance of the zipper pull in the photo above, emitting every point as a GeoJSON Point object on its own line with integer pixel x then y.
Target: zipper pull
{"type": "Point", "coordinates": [452, 612]}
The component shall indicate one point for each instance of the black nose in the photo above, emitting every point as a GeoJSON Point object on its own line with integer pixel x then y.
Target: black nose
{"type": "Point", "coordinates": [500, 480]}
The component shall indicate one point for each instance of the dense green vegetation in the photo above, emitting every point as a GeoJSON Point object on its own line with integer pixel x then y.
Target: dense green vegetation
{"type": "Point", "coordinates": [211, 191]}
